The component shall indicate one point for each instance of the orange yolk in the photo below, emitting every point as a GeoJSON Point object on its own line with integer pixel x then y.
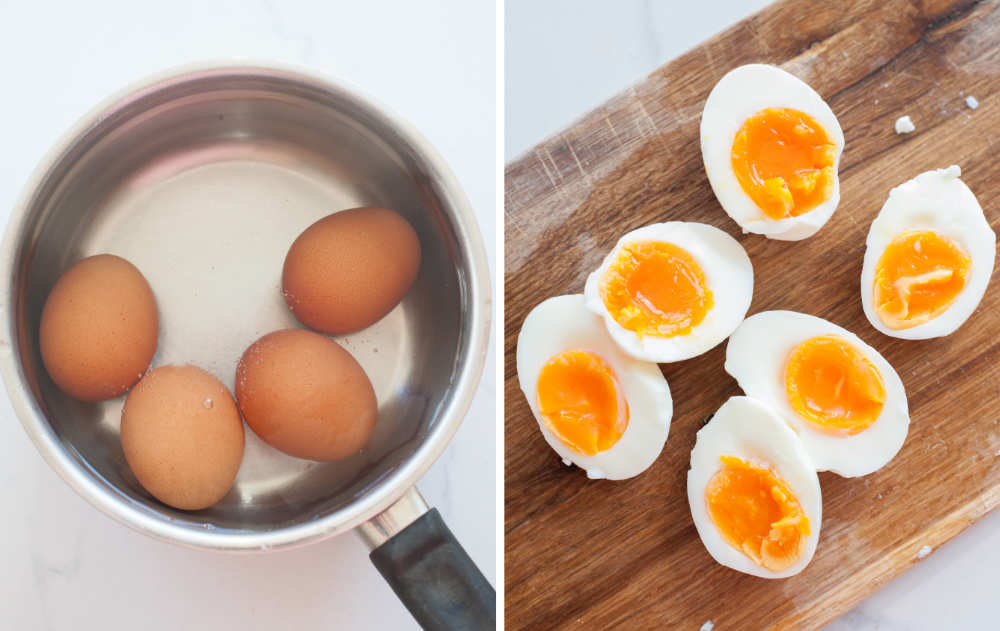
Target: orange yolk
{"type": "Point", "coordinates": [831, 384]}
{"type": "Point", "coordinates": [756, 513]}
{"type": "Point", "coordinates": [580, 401]}
{"type": "Point", "coordinates": [918, 277]}
{"type": "Point", "coordinates": [783, 160]}
{"type": "Point", "coordinates": [656, 288]}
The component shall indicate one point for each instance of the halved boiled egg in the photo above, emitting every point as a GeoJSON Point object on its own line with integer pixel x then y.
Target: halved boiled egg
{"type": "Point", "coordinates": [754, 495]}
{"type": "Point", "coordinates": [929, 257]}
{"type": "Point", "coordinates": [672, 290]}
{"type": "Point", "coordinates": [598, 408]}
{"type": "Point", "coordinates": [840, 395]}
{"type": "Point", "coordinates": [771, 147]}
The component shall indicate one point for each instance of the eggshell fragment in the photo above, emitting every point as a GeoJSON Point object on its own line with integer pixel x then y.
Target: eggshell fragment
{"type": "Point", "coordinates": [182, 436]}
{"type": "Point", "coordinates": [99, 328]}
{"type": "Point", "coordinates": [348, 270]}
{"type": "Point", "coordinates": [305, 395]}
{"type": "Point", "coordinates": [904, 125]}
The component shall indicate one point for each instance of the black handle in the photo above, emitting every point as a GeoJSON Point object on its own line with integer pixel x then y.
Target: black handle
{"type": "Point", "coordinates": [435, 578]}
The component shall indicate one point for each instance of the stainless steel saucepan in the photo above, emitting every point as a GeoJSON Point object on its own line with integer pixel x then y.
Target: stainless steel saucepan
{"type": "Point", "coordinates": [202, 179]}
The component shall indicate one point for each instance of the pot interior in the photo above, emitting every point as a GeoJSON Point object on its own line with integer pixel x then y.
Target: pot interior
{"type": "Point", "coordinates": [203, 183]}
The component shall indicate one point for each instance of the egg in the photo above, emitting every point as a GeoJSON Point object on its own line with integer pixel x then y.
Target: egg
{"type": "Point", "coordinates": [842, 398]}
{"type": "Point", "coordinates": [929, 257]}
{"type": "Point", "coordinates": [303, 394]}
{"type": "Point", "coordinates": [348, 270]}
{"type": "Point", "coordinates": [598, 408]}
{"type": "Point", "coordinates": [671, 291]}
{"type": "Point", "coordinates": [771, 148]}
{"type": "Point", "coordinates": [754, 495]}
{"type": "Point", "coordinates": [182, 436]}
{"type": "Point", "coordinates": [98, 328]}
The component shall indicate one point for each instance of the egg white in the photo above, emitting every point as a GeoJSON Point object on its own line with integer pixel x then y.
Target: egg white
{"type": "Point", "coordinates": [563, 323]}
{"type": "Point", "coordinates": [728, 274]}
{"type": "Point", "coordinates": [939, 201]}
{"type": "Point", "coordinates": [741, 93]}
{"type": "Point", "coordinates": [750, 430]}
{"type": "Point", "coordinates": [756, 357]}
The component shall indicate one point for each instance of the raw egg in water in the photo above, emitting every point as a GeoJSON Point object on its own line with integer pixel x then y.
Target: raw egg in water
{"type": "Point", "coordinates": [182, 436]}
{"type": "Point", "coordinates": [99, 328]}
{"type": "Point", "coordinates": [305, 395]}
{"type": "Point", "coordinates": [348, 270]}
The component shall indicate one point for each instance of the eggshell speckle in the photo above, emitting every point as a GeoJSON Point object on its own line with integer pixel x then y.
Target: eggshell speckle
{"type": "Point", "coordinates": [348, 270]}
{"type": "Point", "coordinates": [186, 454]}
{"type": "Point", "coordinates": [98, 328]}
{"type": "Point", "coordinates": [305, 395]}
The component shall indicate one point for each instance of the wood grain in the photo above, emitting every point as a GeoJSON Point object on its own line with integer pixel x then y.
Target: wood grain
{"type": "Point", "coordinates": [582, 554]}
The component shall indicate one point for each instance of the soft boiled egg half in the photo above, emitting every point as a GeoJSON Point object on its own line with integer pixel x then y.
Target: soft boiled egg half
{"type": "Point", "coordinates": [842, 398]}
{"type": "Point", "coordinates": [754, 495]}
{"type": "Point", "coordinates": [929, 257]}
{"type": "Point", "coordinates": [771, 147]}
{"type": "Point", "coordinates": [598, 408]}
{"type": "Point", "coordinates": [672, 290]}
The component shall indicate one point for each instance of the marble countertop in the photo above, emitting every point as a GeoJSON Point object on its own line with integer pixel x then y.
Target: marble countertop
{"type": "Point", "coordinates": [65, 565]}
{"type": "Point", "coordinates": [550, 81]}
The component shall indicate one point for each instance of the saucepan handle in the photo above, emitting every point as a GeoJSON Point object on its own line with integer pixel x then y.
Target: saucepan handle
{"type": "Point", "coordinates": [428, 568]}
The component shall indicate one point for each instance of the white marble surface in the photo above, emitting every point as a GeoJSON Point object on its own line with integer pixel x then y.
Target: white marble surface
{"type": "Point", "coordinates": [560, 62]}
{"type": "Point", "coordinates": [66, 566]}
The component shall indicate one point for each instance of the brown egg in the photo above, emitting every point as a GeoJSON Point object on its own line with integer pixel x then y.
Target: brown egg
{"type": "Point", "coordinates": [99, 328]}
{"type": "Point", "coordinates": [348, 270]}
{"type": "Point", "coordinates": [305, 395]}
{"type": "Point", "coordinates": [182, 436]}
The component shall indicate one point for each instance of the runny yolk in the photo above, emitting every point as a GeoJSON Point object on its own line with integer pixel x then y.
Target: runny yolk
{"type": "Point", "coordinates": [656, 288]}
{"type": "Point", "coordinates": [831, 384]}
{"type": "Point", "coordinates": [580, 401]}
{"type": "Point", "coordinates": [918, 277]}
{"type": "Point", "coordinates": [783, 160]}
{"type": "Point", "coordinates": [756, 512]}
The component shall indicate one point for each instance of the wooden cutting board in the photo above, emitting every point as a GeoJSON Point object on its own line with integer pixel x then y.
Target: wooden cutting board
{"type": "Point", "coordinates": [586, 554]}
